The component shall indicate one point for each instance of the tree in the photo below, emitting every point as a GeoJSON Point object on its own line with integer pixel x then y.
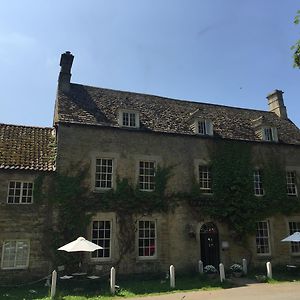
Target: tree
{"type": "Point", "coordinates": [296, 47]}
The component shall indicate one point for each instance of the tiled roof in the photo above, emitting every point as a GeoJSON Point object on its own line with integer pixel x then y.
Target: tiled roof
{"type": "Point", "coordinates": [27, 148]}
{"type": "Point", "coordinates": [98, 106]}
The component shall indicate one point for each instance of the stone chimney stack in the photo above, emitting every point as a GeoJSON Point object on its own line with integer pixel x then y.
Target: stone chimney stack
{"type": "Point", "coordinates": [64, 78]}
{"type": "Point", "coordinates": [276, 104]}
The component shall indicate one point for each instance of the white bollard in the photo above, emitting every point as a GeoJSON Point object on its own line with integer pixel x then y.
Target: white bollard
{"type": "Point", "coordinates": [222, 272]}
{"type": "Point", "coordinates": [269, 270]}
{"type": "Point", "coordinates": [53, 284]}
{"type": "Point", "coordinates": [112, 280]}
{"type": "Point", "coordinates": [244, 264]}
{"type": "Point", "coordinates": [200, 266]}
{"type": "Point", "coordinates": [172, 277]}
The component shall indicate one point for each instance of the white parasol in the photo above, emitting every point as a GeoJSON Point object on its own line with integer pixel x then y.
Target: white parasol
{"type": "Point", "coordinates": [80, 244]}
{"type": "Point", "coordinates": [295, 237]}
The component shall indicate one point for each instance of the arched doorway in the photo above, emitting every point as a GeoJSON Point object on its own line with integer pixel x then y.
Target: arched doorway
{"type": "Point", "coordinates": [209, 244]}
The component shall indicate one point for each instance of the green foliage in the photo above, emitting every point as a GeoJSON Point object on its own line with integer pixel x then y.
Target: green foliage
{"type": "Point", "coordinates": [127, 199]}
{"type": "Point", "coordinates": [296, 47]}
{"type": "Point", "coordinates": [233, 201]}
{"type": "Point", "coordinates": [130, 286]}
{"type": "Point", "coordinates": [38, 193]}
{"type": "Point", "coordinates": [75, 205]}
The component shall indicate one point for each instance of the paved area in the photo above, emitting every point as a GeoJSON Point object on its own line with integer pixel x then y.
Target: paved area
{"type": "Point", "coordinates": [256, 291]}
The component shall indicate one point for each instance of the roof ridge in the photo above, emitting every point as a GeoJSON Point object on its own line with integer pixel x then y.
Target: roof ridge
{"type": "Point", "coordinates": [176, 100]}
{"type": "Point", "coordinates": [27, 126]}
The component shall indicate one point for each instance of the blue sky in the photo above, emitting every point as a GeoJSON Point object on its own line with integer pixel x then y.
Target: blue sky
{"type": "Point", "coordinates": [230, 52]}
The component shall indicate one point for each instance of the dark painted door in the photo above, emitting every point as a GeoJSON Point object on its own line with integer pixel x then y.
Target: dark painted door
{"type": "Point", "coordinates": [209, 245]}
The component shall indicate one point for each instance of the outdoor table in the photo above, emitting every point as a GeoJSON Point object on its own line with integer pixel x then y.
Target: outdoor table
{"type": "Point", "coordinates": [79, 274]}
{"type": "Point", "coordinates": [66, 277]}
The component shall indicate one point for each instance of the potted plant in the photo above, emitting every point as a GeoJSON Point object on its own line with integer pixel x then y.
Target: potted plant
{"type": "Point", "coordinates": [237, 270]}
{"type": "Point", "coordinates": [210, 270]}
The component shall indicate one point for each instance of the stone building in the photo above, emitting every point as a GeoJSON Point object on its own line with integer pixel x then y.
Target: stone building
{"type": "Point", "coordinates": [117, 137]}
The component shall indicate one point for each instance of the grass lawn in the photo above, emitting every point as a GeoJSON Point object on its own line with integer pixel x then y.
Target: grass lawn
{"type": "Point", "coordinates": [133, 286]}
{"type": "Point", "coordinates": [99, 289]}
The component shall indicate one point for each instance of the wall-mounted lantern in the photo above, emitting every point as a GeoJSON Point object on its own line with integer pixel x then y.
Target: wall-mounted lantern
{"type": "Point", "coordinates": [224, 245]}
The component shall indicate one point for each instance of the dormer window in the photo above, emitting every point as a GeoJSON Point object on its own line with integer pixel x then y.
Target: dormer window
{"type": "Point", "coordinates": [269, 134]}
{"type": "Point", "coordinates": [264, 131]}
{"type": "Point", "coordinates": [128, 118]}
{"type": "Point", "coordinates": [202, 127]}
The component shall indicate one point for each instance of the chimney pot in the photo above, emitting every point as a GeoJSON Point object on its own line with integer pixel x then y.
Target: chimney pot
{"type": "Point", "coordinates": [276, 104]}
{"type": "Point", "coordinates": [64, 78]}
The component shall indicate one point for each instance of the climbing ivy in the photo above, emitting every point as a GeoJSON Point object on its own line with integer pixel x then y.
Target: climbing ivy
{"type": "Point", "coordinates": [233, 201]}
{"type": "Point", "coordinates": [75, 206]}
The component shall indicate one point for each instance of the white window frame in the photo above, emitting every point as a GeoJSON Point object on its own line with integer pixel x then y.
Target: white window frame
{"type": "Point", "coordinates": [258, 183]}
{"type": "Point", "coordinates": [145, 238]}
{"type": "Point", "coordinates": [294, 226]}
{"type": "Point", "coordinates": [264, 237]}
{"type": "Point", "coordinates": [26, 265]}
{"type": "Point", "coordinates": [205, 179]}
{"type": "Point", "coordinates": [207, 125]}
{"type": "Point", "coordinates": [23, 191]}
{"type": "Point", "coordinates": [269, 134]}
{"type": "Point", "coordinates": [150, 178]}
{"type": "Point", "coordinates": [101, 241]}
{"type": "Point", "coordinates": [291, 183]}
{"type": "Point", "coordinates": [131, 116]}
{"type": "Point", "coordinates": [105, 174]}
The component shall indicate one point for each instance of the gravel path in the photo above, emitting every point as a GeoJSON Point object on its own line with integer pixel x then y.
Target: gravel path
{"type": "Point", "coordinates": [257, 291]}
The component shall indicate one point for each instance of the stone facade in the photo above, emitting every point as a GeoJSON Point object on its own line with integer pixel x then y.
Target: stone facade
{"type": "Point", "coordinates": [174, 245]}
{"type": "Point", "coordinates": [28, 222]}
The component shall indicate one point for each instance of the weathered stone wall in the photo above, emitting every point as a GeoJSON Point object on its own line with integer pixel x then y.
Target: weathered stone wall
{"type": "Point", "coordinates": [24, 222]}
{"type": "Point", "coordinates": [80, 145]}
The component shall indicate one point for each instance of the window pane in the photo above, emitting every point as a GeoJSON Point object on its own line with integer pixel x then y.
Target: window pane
{"type": "Point", "coordinates": [147, 175]}
{"type": "Point", "coordinates": [291, 183]}
{"type": "Point", "coordinates": [20, 192]}
{"type": "Point", "coordinates": [104, 172]}
{"type": "Point", "coordinates": [257, 182]}
{"type": "Point", "coordinates": [205, 179]}
{"type": "Point", "coordinates": [101, 235]}
{"type": "Point", "coordinates": [147, 238]}
{"type": "Point", "coordinates": [294, 227]}
{"type": "Point", "coordinates": [262, 238]}
{"type": "Point", "coordinates": [15, 254]}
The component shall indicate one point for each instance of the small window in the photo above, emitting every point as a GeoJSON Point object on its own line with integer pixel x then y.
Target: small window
{"type": "Point", "coordinates": [129, 119]}
{"type": "Point", "coordinates": [203, 127]}
{"type": "Point", "coordinates": [101, 235]}
{"type": "Point", "coordinates": [15, 254]}
{"type": "Point", "coordinates": [20, 192]}
{"type": "Point", "coordinates": [294, 227]}
{"type": "Point", "coordinates": [257, 181]}
{"type": "Point", "coordinates": [146, 239]}
{"type": "Point", "coordinates": [147, 175]}
{"type": "Point", "coordinates": [262, 238]}
{"type": "Point", "coordinates": [270, 134]}
{"type": "Point", "coordinates": [104, 173]}
{"type": "Point", "coordinates": [205, 179]}
{"type": "Point", "coordinates": [291, 183]}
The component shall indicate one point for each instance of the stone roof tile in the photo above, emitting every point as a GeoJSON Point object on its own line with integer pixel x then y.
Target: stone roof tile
{"type": "Point", "coordinates": [27, 148]}
{"type": "Point", "coordinates": [98, 106]}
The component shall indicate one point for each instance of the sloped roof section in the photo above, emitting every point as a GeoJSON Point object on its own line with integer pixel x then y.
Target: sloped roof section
{"type": "Point", "coordinates": [27, 148]}
{"type": "Point", "coordinates": [98, 106]}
